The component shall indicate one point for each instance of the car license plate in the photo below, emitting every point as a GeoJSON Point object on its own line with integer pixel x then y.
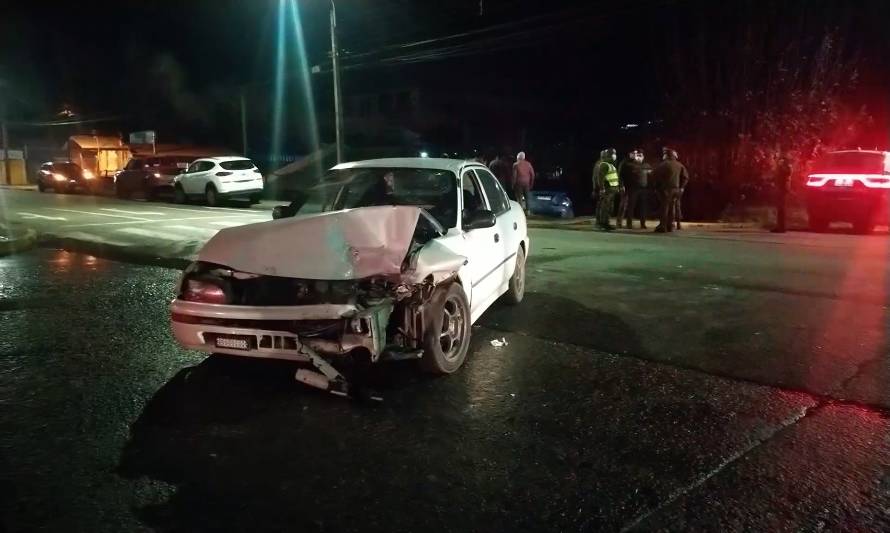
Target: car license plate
{"type": "Point", "coordinates": [843, 182]}
{"type": "Point", "coordinates": [545, 198]}
{"type": "Point", "coordinates": [232, 342]}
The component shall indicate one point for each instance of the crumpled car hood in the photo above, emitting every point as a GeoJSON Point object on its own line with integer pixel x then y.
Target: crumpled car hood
{"type": "Point", "coordinates": [340, 245]}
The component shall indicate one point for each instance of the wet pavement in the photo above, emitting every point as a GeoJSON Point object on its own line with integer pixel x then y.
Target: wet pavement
{"type": "Point", "coordinates": [574, 425]}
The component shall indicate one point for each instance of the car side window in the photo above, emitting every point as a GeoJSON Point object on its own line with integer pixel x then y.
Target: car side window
{"type": "Point", "coordinates": [206, 165]}
{"type": "Point", "coordinates": [194, 167]}
{"type": "Point", "coordinates": [47, 167]}
{"type": "Point", "coordinates": [496, 197]}
{"type": "Point", "coordinates": [473, 200]}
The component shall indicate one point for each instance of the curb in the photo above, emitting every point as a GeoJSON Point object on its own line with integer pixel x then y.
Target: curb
{"type": "Point", "coordinates": [21, 243]}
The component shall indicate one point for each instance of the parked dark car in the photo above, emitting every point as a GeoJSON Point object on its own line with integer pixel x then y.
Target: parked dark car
{"type": "Point", "coordinates": [65, 177]}
{"type": "Point", "coordinates": [849, 186]}
{"type": "Point", "coordinates": [150, 177]}
{"type": "Point", "coordinates": [550, 195]}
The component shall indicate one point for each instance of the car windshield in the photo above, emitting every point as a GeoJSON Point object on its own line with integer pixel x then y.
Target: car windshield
{"type": "Point", "coordinates": [66, 168]}
{"type": "Point", "coordinates": [432, 189]}
{"type": "Point", "coordinates": [238, 164]}
{"type": "Point", "coordinates": [851, 162]}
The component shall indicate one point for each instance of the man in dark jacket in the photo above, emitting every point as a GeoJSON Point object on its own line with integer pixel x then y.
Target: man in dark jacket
{"type": "Point", "coordinates": [502, 168]}
{"type": "Point", "coordinates": [632, 176]}
{"type": "Point", "coordinates": [670, 177]}
{"type": "Point", "coordinates": [782, 182]}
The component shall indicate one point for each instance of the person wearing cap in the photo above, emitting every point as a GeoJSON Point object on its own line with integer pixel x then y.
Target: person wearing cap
{"type": "Point", "coordinates": [523, 180]}
{"type": "Point", "coordinates": [670, 178]}
{"type": "Point", "coordinates": [632, 175]}
{"type": "Point", "coordinates": [605, 183]}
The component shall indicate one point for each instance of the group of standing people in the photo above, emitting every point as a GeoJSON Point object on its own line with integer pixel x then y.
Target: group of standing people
{"type": "Point", "coordinates": [630, 179]}
{"type": "Point", "coordinates": [518, 178]}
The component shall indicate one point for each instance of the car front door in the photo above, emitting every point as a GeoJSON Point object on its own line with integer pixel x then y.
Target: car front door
{"type": "Point", "coordinates": [484, 247]}
{"type": "Point", "coordinates": [510, 223]}
{"type": "Point", "coordinates": [194, 178]}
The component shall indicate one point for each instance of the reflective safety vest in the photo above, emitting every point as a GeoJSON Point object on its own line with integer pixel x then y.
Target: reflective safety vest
{"type": "Point", "coordinates": [611, 178]}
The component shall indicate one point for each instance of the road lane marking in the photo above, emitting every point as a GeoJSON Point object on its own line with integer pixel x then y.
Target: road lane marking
{"type": "Point", "coordinates": [145, 221]}
{"type": "Point", "coordinates": [152, 234]}
{"type": "Point", "coordinates": [131, 212]}
{"type": "Point", "coordinates": [243, 212]}
{"type": "Point", "coordinates": [226, 224]}
{"type": "Point", "coordinates": [97, 214]}
{"type": "Point", "coordinates": [192, 228]}
{"type": "Point", "coordinates": [35, 215]}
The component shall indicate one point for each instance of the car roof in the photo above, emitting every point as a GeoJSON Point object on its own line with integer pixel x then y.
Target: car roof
{"type": "Point", "coordinates": [219, 159]}
{"type": "Point", "coordinates": [436, 163]}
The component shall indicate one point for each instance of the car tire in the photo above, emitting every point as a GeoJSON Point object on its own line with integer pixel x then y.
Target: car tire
{"type": "Point", "coordinates": [863, 225]}
{"type": "Point", "coordinates": [211, 196]}
{"type": "Point", "coordinates": [121, 192]}
{"type": "Point", "coordinates": [149, 193]}
{"type": "Point", "coordinates": [41, 187]}
{"type": "Point", "coordinates": [255, 199]}
{"type": "Point", "coordinates": [516, 289]}
{"type": "Point", "coordinates": [179, 196]}
{"type": "Point", "coordinates": [446, 335]}
{"type": "Point", "coordinates": [568, 213]}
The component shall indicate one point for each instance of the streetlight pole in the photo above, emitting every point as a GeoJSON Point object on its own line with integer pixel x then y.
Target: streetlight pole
{"type": "Point", "coordinates": [243, 124]}
{"type": "Point", "coordinates": [4, 134]}
{"type": "Point", "coordinates": [338, 106]}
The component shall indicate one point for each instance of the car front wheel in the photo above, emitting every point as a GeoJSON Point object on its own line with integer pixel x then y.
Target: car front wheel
{"type": "Point", "coordinates": [516, 290]}
{"type": "Point", "coordinates": [41, 187]}
{"type": "Point", "coordinates": [211, 196]}
{"type": "Point", "coordinates": [179, 196]}
{"type": "Point", "coordinates": [446, 336]}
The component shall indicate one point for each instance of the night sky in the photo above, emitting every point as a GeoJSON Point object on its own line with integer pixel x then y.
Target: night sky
{"type": "Point", "coordinates": [180, 66]}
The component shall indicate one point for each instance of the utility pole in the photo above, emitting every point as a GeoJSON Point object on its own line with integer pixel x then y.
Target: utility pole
{"type": "Point", "coordinates": [4, 134]}
{"type": "Point", "coordinates": [243, 124]}
{"type": "Point", "coordinates": [335, 59]}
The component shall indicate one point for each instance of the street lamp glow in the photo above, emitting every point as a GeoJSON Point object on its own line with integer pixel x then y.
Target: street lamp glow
{"type": "Point", "coordinates": [424, 154]}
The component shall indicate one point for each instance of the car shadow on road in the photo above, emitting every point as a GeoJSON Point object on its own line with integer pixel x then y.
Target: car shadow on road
{"type": "Point", "coordinates": [561, 319]}
{"type": "Point", "coordinates": [247, 447]}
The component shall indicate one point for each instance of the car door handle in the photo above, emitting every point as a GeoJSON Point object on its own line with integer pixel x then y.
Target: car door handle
{"type": "Point", "coordinates": [497, 238]}
{"type": "Point", "coordinates": [515, 226]}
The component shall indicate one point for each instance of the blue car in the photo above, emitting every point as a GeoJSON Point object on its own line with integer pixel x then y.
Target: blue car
{"type": "Point", "coordinates": [549, 197]}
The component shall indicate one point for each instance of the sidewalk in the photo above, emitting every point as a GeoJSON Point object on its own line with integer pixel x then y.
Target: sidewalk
{"type": "Point", "coordinates": [29, 187]}
{"type": "Point", "coordinates": [588, 223]}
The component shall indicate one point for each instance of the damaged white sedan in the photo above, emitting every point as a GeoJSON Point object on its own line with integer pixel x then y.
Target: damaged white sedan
{"type": "Point", "coordinates": [387, 259]}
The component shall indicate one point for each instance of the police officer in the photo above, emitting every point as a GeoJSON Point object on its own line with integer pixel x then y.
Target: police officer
{"type": "Point", "coordinates": [605, 183]}
{"type": "Point", "coordinates": [782, 181]}
{"type": "Point", "coordinates": [670, 177]}
{"type": "Point", "coordinates": [632, 175]}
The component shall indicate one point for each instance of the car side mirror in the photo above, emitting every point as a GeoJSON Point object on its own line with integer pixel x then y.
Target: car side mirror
{"type": "Point", "coordinates": [479, 220]}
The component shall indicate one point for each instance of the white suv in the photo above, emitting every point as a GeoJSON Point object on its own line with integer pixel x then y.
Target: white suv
{"type": "Point", "coordinates": [218, 178]}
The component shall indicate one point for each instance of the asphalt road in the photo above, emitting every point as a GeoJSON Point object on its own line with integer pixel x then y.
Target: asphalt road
{"type": "Point", "coordinates": [701, 381]}
{"type": "Point", "coordinates": [159, 228]}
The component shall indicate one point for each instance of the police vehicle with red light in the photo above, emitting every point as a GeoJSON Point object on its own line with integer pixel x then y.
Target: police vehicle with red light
{"type": "Point", "coordinates": [849, 186]}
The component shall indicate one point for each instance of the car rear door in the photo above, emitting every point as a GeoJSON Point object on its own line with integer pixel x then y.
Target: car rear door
{"type": "Point", "coordinates": [484, 246]}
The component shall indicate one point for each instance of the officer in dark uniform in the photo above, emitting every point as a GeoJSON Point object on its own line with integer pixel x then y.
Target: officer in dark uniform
{"type": "Point", "coordinates": [670, 177]}
{"type": "Point", "coordinates": [782, 183]}
{"type": "Point", "coordinates": [632, 175]}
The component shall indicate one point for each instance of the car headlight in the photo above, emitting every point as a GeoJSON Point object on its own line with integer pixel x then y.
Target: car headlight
{"type": "Point", "coordinates": [566, 203]}
{"type": "Point", "coordinates": [88, 175]}
{"type": "Point", "coordinates": [59, 177]}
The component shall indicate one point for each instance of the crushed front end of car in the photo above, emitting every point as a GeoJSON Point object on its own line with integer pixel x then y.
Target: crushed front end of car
{"type": "Point", "coordinates": [346, 287]}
